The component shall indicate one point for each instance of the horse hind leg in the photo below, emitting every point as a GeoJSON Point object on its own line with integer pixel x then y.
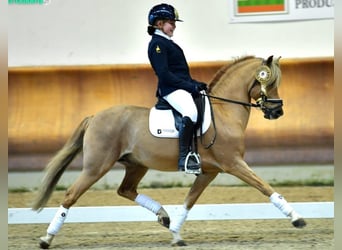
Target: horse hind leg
{"type": "Point", "coordinates": [71, 196]}
{"type": "Point", "coordinates": [89, 175]}
{"type": "Point", "coordinates": [245, 173]}
{"type": "Point", "coordinates": [128, 190]}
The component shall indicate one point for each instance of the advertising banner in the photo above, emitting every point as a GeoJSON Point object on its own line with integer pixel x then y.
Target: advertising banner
{"type": "Point", "coordinates": [280, 10]}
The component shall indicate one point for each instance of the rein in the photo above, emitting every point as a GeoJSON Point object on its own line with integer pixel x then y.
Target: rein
{"type": "Point", "coordinates": [213, 117]}
{"type": "Point", "coordinates": [258, 105]}
{"type": "Point", "coordinates": [233, 101]}
{"type": "Point", "coordinates": [254, 105]}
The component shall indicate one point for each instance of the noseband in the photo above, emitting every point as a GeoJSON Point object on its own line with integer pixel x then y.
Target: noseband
{"type": "Point", "coordinates": [270, 111]}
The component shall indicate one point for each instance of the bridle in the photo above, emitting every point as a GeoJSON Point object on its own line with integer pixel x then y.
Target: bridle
{"type": "Point", "coordinates": [263, 77]}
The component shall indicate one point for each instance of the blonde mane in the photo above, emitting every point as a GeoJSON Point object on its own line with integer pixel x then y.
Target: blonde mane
{"type": "Point", "coordinates": [225, 68]}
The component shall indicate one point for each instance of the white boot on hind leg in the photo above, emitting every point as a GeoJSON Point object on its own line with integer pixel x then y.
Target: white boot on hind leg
{"type": "Point", "coordinates": [45, 241]}
{"type": "Point", "coordinates": [54, 227]}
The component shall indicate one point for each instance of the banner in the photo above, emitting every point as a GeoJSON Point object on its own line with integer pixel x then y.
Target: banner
{"type": "Point", "coordinates": [280, 10]}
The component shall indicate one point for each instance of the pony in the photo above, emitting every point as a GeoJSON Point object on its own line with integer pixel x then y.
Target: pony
{"type": "Point", "coordinates": [121, 134]}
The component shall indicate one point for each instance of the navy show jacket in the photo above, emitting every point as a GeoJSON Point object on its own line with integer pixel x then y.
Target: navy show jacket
{"type": "Point", "coordinates": [168, 62]}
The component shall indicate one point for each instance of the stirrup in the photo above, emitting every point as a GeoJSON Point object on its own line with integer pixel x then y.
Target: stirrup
{"type": "Point", "coordinates": [197, 159]}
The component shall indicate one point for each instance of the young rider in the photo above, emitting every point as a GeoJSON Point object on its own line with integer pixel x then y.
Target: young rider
{"type": "Point", "coordinates": [175, 84]}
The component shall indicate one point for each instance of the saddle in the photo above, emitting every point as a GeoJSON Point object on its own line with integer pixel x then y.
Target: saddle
{"type": "Point", "coordinates": [164, 120]}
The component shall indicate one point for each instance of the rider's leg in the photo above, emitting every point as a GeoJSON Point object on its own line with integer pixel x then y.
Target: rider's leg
{"type": "Point", "coordinates": [186, 133]}
{"type": "Point", "coordinates": [182, 101]}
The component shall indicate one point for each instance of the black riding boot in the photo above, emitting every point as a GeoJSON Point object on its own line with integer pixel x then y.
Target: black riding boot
{"type": "Point", "coordinates": [186, 132]}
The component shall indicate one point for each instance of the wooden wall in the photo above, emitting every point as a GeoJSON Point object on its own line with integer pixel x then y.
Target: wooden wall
{"type": "Point", "coordinates": [45, 104]}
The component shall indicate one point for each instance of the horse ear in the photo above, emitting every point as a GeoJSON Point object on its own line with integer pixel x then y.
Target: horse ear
{"type": "Point", "coordinates": [269, 60]}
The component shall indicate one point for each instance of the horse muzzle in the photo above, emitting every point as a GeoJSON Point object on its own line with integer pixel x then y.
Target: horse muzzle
{"type": "Point", "coordinates": [272, 108]}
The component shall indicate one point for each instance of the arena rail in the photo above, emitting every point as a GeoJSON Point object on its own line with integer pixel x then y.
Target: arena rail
{"type": "Point", "coordinates": [45, 104]}
{"type": "Point", "coordinates": [242, 211]}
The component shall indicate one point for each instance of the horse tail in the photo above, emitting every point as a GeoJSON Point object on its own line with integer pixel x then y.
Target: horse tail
{"type": "Point", "coordinates": [57, 165]}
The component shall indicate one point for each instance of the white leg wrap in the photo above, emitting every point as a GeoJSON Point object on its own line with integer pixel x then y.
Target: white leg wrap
{"type": "Point", "coordinates": [280, 202]}
{"type": "Point", "coordinates": [295, 216]}
{"type": "Point", "coordinates": [58, 221]}
{"type": "Point", "coordinates": [147, 202]}
{"type": "Point", "coordinates": [178, 221]}
{"type": "Point", "coordinates": [176, 238]}
{"type": "Point", "coordinates": [47, 239]}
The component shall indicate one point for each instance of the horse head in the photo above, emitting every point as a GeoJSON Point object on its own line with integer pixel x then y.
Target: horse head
{"type": "Point", "coordinates": [262, 84]}
{"type": "Point", "coordinates": [268, 77]}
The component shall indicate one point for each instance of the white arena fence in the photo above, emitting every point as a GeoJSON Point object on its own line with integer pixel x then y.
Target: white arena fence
{"type": "Point", "coordinates": [198, 212]}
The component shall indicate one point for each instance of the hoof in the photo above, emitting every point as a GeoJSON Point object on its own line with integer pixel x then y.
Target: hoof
{"type": "Point", "coordinates": [43, 244]}
{"type": "Point", "coordinates": [299, 223]}
{"type": "Point", "coordinates": [164, 221]}
{"type": "Point", "coordinates": [180, 243]}
{"type": "Point", "coordinates": [45, 241]}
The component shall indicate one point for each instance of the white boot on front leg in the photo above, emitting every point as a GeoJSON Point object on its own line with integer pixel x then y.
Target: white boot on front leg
{"type": "Point", "coordinates": [280, 202]}
{"type": "Point", "coordinates": [297, 220]}
{"type": "Point", "coordinates": [177, 240]}
{"type": "Point", "coordinates": [175, 226]}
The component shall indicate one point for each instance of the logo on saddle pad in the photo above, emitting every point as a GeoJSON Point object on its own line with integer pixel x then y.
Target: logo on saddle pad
{"type": "Point", "coordinates": [162, 122]}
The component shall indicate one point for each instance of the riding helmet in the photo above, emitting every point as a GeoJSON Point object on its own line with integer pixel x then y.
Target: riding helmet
{"type": "Point", "coordinates": [162, 12]}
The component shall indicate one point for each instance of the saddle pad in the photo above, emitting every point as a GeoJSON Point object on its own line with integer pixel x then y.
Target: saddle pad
{"type": "Point", "coordinates": [162, 122]}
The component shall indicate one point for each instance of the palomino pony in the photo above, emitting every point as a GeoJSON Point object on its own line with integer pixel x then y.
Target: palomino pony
{"type": "Point", "coordinates": [121, 134]}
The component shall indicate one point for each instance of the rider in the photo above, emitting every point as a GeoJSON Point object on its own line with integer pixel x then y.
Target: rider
{"type": "Point", "coordinates": [175, 84]}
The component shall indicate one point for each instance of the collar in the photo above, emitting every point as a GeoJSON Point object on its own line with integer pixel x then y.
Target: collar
{"type": "Point", "coordinates": [160, 33]}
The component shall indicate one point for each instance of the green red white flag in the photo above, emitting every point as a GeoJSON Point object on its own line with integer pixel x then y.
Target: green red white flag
{"type": "Point", "coordinates": [253, 6]}
{"type": "Point", "coordinates": [279, 10]}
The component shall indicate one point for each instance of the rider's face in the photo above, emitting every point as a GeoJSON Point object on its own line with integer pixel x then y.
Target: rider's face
{"type": "Point", "coordinates": [169, 27]}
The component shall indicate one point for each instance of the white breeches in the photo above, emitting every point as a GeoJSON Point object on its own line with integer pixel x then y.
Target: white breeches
{"type": "Point", "coordinates": [182, 101]}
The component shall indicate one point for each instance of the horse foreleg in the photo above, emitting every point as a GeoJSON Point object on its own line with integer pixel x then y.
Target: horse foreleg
{"type": "Point", "coordinates": [280, 202]}
{"type": "Point", "coordinates": [128, 189]}
{"type": "Point", "coordinates": [245, 173]}
{"type": "Point", "coordinates": [201, 182]}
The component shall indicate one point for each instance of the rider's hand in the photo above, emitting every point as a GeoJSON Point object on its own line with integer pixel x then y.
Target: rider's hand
{"type": "Point", "coordinates": [202, 86]}
{"type": "Point", "coordinates": [198, 87]}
